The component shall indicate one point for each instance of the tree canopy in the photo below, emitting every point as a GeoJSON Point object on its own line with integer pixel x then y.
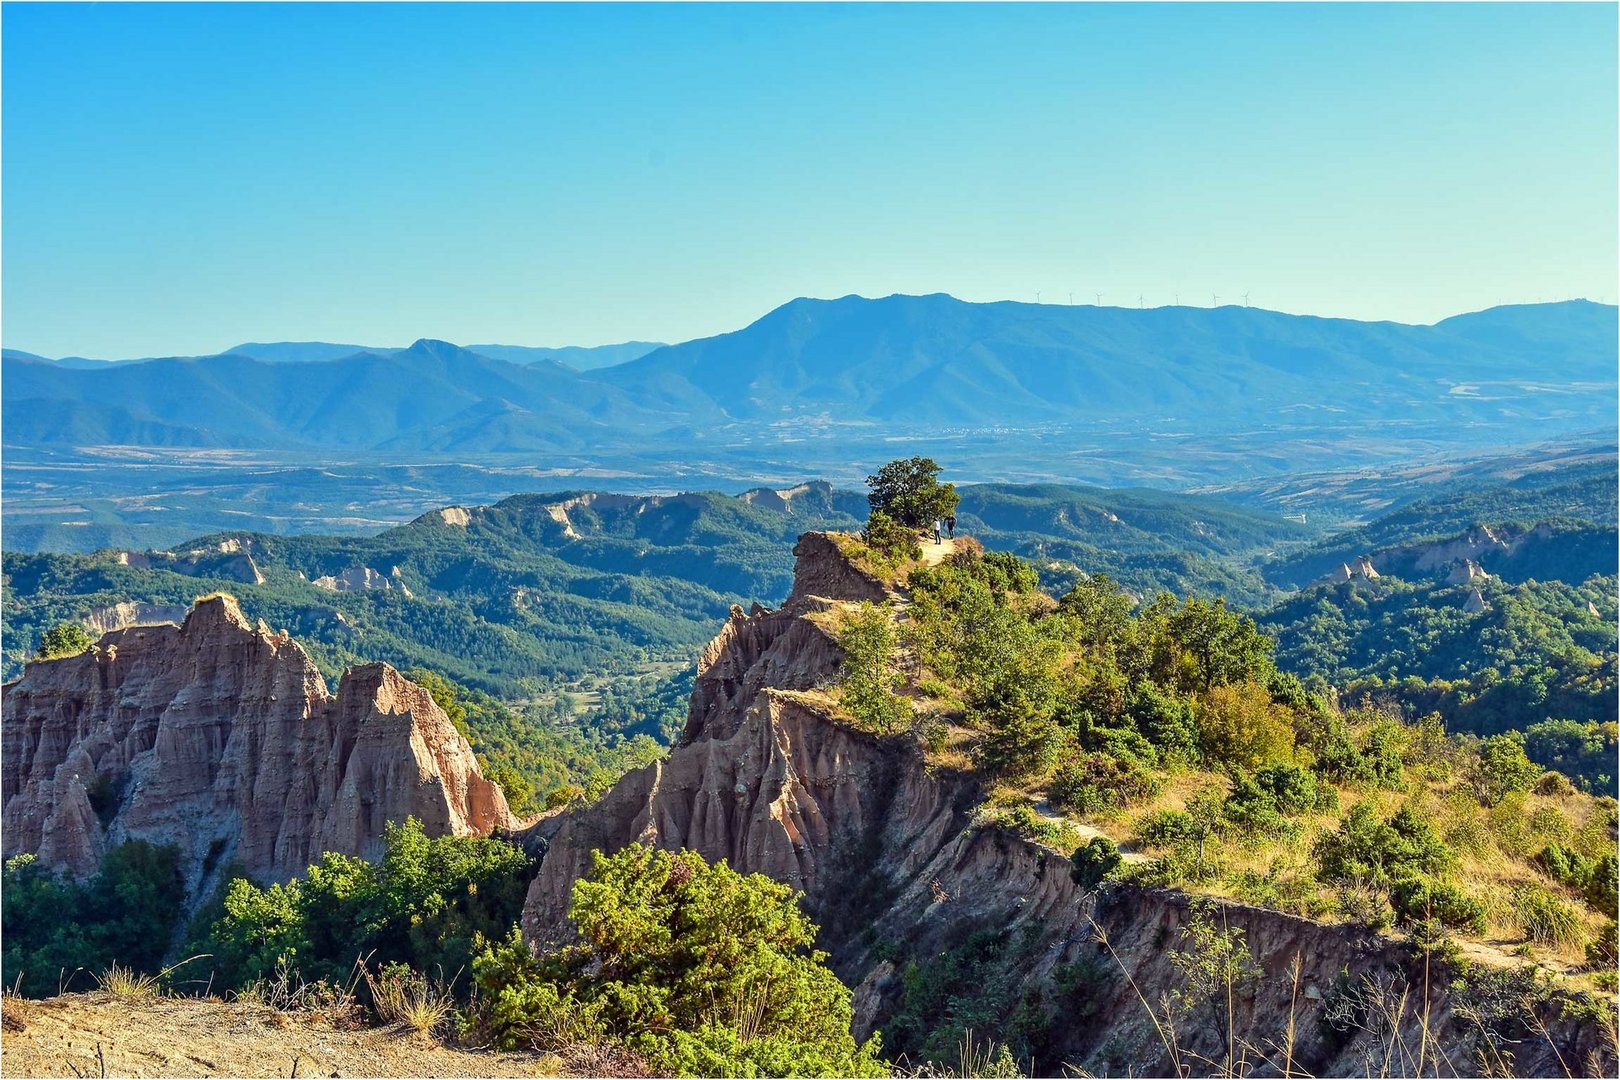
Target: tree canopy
{"type": "Point", "coordinates": [907, 490]}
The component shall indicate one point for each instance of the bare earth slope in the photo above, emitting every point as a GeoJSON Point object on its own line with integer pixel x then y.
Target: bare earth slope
{"type": "Point", "coordinates": [63, 1036]}
{"type": "Point", "coordinates": [221, 738]}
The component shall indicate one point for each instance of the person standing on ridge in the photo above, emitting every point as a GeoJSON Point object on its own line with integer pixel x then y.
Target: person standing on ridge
{"type": "Point", "coordinates": [950, 525]}
{"type": "Point", "coordinates": [938, 528]}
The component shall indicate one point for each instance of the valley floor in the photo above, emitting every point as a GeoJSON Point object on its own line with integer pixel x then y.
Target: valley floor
{"type": "Point", "coordinates": [97, 1034]}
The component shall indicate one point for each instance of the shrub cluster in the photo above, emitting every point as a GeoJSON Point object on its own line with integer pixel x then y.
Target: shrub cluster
{"type": "Point", "coordinates": [422, 905]}
{"type": "Point", "coordinates": [697, 969]}
{"type": "Point", "coordinates": [57, 929]}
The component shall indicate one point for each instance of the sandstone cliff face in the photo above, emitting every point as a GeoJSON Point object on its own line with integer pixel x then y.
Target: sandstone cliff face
{"type": "Point", "coordinates": [229, 559]}
{"type": "Point", "coordinates": [888, 859]}
{"type": "Point", "coordinates": [104, 620]}
{"type": "Point", "coordinates": [223, 739]}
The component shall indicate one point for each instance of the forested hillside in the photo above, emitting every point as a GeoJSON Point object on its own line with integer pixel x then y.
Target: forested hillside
{"type": "Point", "coordinates": [1487, 656]}
{"type": "Point", "coordinates": [1576, 503]}
{"type": "Point", "coordinates": [540, 589]}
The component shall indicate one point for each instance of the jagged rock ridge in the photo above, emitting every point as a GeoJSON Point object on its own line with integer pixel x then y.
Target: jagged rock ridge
{"type": "Point", "coordinates": [222, 738]}
{"type": "Point", "coordinates": [887, 855]}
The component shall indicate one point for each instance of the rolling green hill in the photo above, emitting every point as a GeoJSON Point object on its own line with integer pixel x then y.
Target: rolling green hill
{"type": "Point", "coordinates": [539, 590]}
{"type": "Point", "coordinates": [1577, 502]}
{"type": "Point", "coordinates": [1533, 652]}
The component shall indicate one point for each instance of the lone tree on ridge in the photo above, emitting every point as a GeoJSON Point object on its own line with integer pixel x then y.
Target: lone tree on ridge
{"type": "Point", "coordinates": [908, 491]}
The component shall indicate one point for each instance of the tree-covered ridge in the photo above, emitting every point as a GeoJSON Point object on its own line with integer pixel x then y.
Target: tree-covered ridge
{"type": "Point", "coordinates": [1531, 653]}
{"type": "Point", "coordinates": [1576, 500]}
{"type": "Point", "coordinates": [1170, 728]}
{"type": "Point", "coordinates": [538, 590]}
{"type": "Point", "coordinates": [541, 758]}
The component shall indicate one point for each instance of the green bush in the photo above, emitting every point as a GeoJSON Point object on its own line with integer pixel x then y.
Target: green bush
{"type": "Point", "coordinates": [1005, 572]}
{"type": "Point", "coordinates": [867, 688]}
{"type": "Point", "coordinates": [1100, 783]}
{"type": "Point", "coordinates": [422, 905]}
{"type": "Point", "coordinates": [1241, 727]}
{"type": "Point", "coordinates": [1166, 721]}
{"type": "Point", "coordinates": [1502, 768]}
{"type": "Point", "coordinates": [1293, 789]}
{"type": "Point", "coordinates": [1184, 836]}
{"type": "Point", "coordinates": [1023, 741]}
{"type": "Point", "coordinates": [892, 541]}
{"type": "Point", "coordinates": [1422, 899]}
{"type": "Point", "coordinates": [54, 925]}
{"type": "Point", "coordinates": [1093, 862]}
{"type": "Point", "coordinates": [1365, 849]}
{"type": "Point", "coordinates": [1168, 829]}
{"type": "Point", "coordinates": [697, 968]}
{"type": "Point", "coordinates": [64, 639]}
{"type": "Point", "coordinates": [1371, 759]}
{"type": "Point", "coordinates": [1594, 879]}
{"type": "Point", "coordinates": [1259, 805]}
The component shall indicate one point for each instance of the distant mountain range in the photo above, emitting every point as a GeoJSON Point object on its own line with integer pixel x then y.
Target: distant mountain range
{"type": "Point", "coordinates": [578, 357]}
{"type": "Point", "coordinates": [900, 364]}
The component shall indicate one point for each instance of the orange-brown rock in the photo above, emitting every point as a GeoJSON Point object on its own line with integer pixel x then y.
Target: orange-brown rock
{"type": "Point", "coordinates": [223, 739]}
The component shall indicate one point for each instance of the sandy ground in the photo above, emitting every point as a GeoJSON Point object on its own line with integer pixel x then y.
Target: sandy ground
{"type": "Point", "coordinates": [934, 554]}
{"type": "Point", "coordinates": [193, 1037]}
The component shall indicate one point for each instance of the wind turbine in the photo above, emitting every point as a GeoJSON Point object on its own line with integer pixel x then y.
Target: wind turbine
{"type": "Point", "coordinates": [1138, 299]}
{"type": "Point", "coordinates": [1099, 299]}
{"type": "Point", "coordinates": [1245, 299]}
{"type": "Point", "coordinates": [1037, 296]}
{"type": "Point", "coordinates": [1071, 299]}
{"type": "Point", "coordinates": [1214, 301]}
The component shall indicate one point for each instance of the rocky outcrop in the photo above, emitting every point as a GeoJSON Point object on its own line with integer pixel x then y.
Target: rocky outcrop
{"type": "Point", "coordinates": [361, 579]}
{"type": "Point", "coordinates": [891, 864]}
{"type": "Point", "coordinates": [820, 569]}
{"type": "Point", "coordinates": [1475, 602]}
{"type": "Point", "coordinates": [786, 500]}
{"type": "Point", "coordinates": [222, 738]}
{"type": "Point", "coordinates": [1362, 570]}
{"type": "Point", "coordinates": [227, 560]}
{"type": "Point", "coordinates": [127, 613]}
{"type": "Point", "coordinates": [1471, 545]}
{"type": "Point", "coordinates": [1466, 571]}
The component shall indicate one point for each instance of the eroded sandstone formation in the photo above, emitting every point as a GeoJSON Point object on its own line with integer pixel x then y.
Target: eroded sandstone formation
{"type": "Point", "coordinates": [223, 739]}
{"type": "Point", "coordinates": [891, 862]}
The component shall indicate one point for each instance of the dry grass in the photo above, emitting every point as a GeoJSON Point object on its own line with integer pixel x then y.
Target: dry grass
{"type": "Point", "coordinates": [1493, 848]}
{"type": "Point", "coordinates": [123, 982]}
{"type": "Point", "coordinates": [410, 999]}
{"type": "Point", "coordinates": [126, 983]}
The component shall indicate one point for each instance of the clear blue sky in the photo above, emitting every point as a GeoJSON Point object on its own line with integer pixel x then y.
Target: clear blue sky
{"type": "Point", "coordinates": [180, 178]}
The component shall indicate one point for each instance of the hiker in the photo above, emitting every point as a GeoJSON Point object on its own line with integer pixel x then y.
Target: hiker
{"type": "Point", "coordinates": [938, 528]}
{"type": "Point", "coordinates": [950, 525]}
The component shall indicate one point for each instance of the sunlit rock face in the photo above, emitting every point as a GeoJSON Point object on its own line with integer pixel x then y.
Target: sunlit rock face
{"type": "Point", "coordinates": [222, 739]}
